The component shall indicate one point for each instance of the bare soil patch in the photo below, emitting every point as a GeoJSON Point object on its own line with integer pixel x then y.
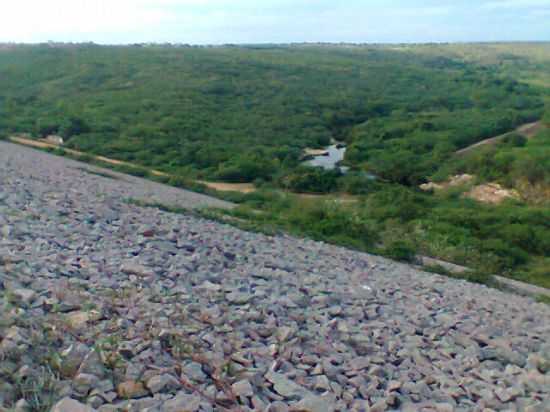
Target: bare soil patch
{"type": "Point", "coordinates": [458, 180]}
{"type": "Point", "coordinates": [492, 193]}
{"type": "Point", "coordinates": [230, 187]}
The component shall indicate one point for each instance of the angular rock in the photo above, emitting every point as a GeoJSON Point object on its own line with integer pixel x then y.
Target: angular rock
{"type": "Point", "coordinates": [163, 383]}
{"type": "Point", "coordinates": [284, 386]}
{"type": "Point", "coordinates": [131, 390]}
{"type": "Point", "coordinates": [92, 364]}
{"type": "Point", "coordinates": [71, 405]}
{"type": "Point", "coordinates": [242, 388]}
{"type": "Point", "coordinates": [312, 403]}
{"type": "Point", "coordinates": [71, 358]}
{"type": "Point", "coordinates": [22, 297]}
{"type": "Point", "coordinates": [132, 268]}
{"type": "Point", "coordinates": [182, 403]}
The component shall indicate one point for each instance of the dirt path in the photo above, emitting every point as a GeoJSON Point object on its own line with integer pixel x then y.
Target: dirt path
{"type": "Point", "coordinates": [528, 130]}
{"type": "Point", "coordinates": [220, 186]}
{"type": "Point", "coordinates": [45, 145]}
{"type": "Point", "coordinates": [229, 187]}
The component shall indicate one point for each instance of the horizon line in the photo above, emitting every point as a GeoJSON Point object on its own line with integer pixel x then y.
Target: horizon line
{"type": "Point", "coordinates": [340, 43]}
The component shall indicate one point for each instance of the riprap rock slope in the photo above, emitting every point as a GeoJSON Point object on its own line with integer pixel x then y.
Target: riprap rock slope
{"type": "Point", "coordinates": [109, 306]}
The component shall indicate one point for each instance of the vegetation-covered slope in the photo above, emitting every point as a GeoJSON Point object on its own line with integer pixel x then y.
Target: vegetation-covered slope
{"type": "Point", "coordinates": [239, 114]}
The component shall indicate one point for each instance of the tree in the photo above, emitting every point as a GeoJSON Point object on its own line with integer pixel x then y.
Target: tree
{"type": "Point", "coordinates": [46, 127]}
{"type": "Point", "coordinates": [73, 126]}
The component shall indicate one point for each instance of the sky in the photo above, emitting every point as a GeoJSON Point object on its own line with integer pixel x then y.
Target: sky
{"type": "Point", "coordinates": [273, 21]}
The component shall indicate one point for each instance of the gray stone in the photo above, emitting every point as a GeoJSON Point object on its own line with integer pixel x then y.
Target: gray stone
{"type": "Point", "coordinates": [92, 364]}
{"type": "Point", "coordinates": [83, 383]}
{"type": "Point", "coordinates": [71, 358]}
{"type": "Point", "coordinates": [71, 405]}
{"type": "Point", "coordinates": [313, 403]}
{"type": "Point", "coordinates": [242, 388]}
{"type": "Point", "coordinates": [194, 371]}
{"type": "Point", "coordinates": [238, 298]}
{"type": "Point", "coordinates": [163, 383]}
{"type": "Point", "coordinates": [132, 268]}
{"type": "Point", "coordinates": [22, 297]}
{"type": "Point", "coordinates": [182, 403]}
{"type": "Point", "coordinates": [284, 386]}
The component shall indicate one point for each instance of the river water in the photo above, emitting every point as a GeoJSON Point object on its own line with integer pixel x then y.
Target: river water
{"type": "Point", "coordinates": [336, 154]}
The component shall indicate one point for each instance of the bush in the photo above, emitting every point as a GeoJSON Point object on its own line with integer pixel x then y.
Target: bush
{"type": "Point", "coordinates": [59, 151]}
{"type": "Point", "coordinates": [130, 170]}
{"type": "Point", "coordinates": [73, 126]}
{"type": "Point", "coordinates": [311, 180]}
{"type": "Point", "coordinates": [358, 184]}
{"type": "Point", "coordinates": [86, 158]}
{"type": "Point", "coordinates": [400, 250]}
{"type": "Point", "coordinates": [178, 181]}
{"type": "Point", "coordinates": [514, 140]}
{"type": "Point", "coordinates": [534, 168]}
{"type": "Point", "coordinates": [161, 178]}
{"type": "Point", "coordinates": [245, 169]}
{"type": "Point", "coordinates": [477, 276]}
{"type": "Point", "coordinates": [46, 127]}
{"type": "Point", "coordinates": [397, 202]}
{"type": "Point", "coordinates": [507, 255]}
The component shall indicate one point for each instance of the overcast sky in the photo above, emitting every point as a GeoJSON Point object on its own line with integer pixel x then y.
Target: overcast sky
{"type": "Point", "coordinates": [279, 21]}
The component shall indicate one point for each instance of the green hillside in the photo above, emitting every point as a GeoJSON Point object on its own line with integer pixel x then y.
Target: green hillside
{"type": "Point", "coordinates": [238, 114]}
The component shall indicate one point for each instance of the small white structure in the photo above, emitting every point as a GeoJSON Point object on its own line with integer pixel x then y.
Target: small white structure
{"type": "Point", "coordinates": [54, 139]}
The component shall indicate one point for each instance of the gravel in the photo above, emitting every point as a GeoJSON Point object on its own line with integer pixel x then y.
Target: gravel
{"type": "Point", "coordinates": [108, 306]}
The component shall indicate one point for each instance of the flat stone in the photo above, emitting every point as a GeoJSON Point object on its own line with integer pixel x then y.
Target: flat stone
{"type": "Point", "coordinates": [284, 386]}
{"type": "Point", "coordinates": [83, 383]}
{"type": "Point", "coordinates": [211, 287]}
{"type": "Point", "coordinates": [22, 297]}
{"type": "Point", "coordinates": [163, 383]}
{"type": "Point", "coordinates": [194, 371]}
{"type": "Point", "coordinates": [78, 320]}
{"type": "Point", "coordinates": [182, 403]}
{"type": "Point", "coordinates": [238, 298]}
{"type": "Point", "coordinates": [313, 403]}
{"type": "Point", "coordinates": [242, 388]}
{"type": "Point", "coordinates": [132, 268]}
{"type": "Point", "coordinates": [71, 405]}
{"type": "Point", "coordinates": [131, 390]}
{"type": "Point", "coordinates": [505, 395]}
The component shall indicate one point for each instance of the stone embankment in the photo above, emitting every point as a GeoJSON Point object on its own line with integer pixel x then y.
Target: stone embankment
{"type": "Point", "coordinates": [107, 306]}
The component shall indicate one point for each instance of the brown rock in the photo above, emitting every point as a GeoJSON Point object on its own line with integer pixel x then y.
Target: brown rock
{"type": "Point", "coordinates": [132, 390]}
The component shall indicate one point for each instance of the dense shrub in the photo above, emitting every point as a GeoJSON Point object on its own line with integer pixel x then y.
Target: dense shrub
{"type": "Point", "coordinates": [400, 250]}
{"type": "Point", "coordinates": [311, 180]}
